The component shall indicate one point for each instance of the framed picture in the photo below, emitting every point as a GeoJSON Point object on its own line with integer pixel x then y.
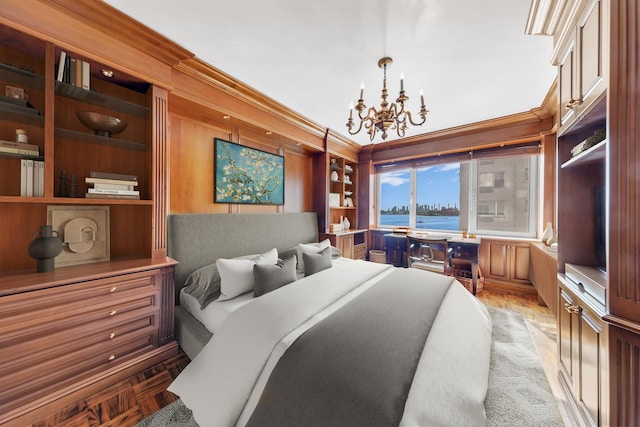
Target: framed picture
{"type": "Point", "coordinates": [247, 175]}
{"type": "Point", "coordinates": [14, 92]}
{"type": "Point", "coordinates": [84, 231]}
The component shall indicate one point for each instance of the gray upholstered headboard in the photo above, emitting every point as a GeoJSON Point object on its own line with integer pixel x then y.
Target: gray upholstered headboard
{"type": "Point", "coordinates": [195, 240]}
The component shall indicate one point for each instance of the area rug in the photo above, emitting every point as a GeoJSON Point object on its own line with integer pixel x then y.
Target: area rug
{"type": "Point", "coordinates": [518, 394]}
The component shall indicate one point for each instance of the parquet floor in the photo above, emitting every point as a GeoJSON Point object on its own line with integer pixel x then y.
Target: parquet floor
{"type": "Point", "coordinates": [130, 401]}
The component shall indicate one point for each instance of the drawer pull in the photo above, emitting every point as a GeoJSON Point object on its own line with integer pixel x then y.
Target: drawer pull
{"type": "Point", "coordinates": [112, 357]}
{"type": "Point", "coordinates": [573, 309]}
{"type": "Point", "coordinates": [113, 312]}
{"type": "Point", "coordinates": [112, 335]}
{"type": "Point", "coordinates": [113, 289]}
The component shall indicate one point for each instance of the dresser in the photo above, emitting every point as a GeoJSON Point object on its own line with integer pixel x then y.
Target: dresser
{"type": "Point", "coordinates": [68, 333]}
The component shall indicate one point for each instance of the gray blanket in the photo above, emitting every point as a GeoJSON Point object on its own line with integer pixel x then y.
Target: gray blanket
{"type": "Point", "coordinates": [358, 363]}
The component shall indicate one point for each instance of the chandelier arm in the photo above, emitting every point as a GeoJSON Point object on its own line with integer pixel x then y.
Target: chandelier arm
{"type": "Point", "coordinates": [422, 114]}
{"type": "Point", "coordinates": [359, 128]}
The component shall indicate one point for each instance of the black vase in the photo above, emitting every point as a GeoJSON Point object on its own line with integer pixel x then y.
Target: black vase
{"type": "Point", "coordinates": [45, 248]}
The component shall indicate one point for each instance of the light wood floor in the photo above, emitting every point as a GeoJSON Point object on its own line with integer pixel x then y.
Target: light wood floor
{"type": "Point", "coordinates": [130, 401]}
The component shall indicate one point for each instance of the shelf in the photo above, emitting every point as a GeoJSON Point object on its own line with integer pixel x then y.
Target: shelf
{"type": "Point", "coordinates": [97, 139]}
{"type": "Point", "coordinates": [594, 154]}
{"type": "Point", "coordinates": [73, 201]}
{"type": "Point", "coordinates": [21, 77]}
{"type": "Point", "coordinates": [21, 156]}
{"type": "Point", "coordinates": [18, 113]}
{"type": "Point", "coordinates": [342, 207]}
{"type": "Point", "coordinates": [101, 100]}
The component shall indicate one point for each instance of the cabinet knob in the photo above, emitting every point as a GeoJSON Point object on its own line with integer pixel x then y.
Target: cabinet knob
{"type": "Point", "coordinates": [112, 357]}
{"type": "Point", "coordinates": [113, 312]}
{"type": "Point", "coordinates": [113, 289]}
{"type": "Point", "coordinates": [112, 335]}
{"type": "Point", "coordinates": [573, 309]}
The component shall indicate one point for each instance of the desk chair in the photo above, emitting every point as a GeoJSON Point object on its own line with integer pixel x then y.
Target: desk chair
{"type": "Point", "coordinates": [429, 254]}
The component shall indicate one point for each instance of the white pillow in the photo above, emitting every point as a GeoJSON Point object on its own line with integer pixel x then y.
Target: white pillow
{"type": "Point", "coordinates": [236, 275]}
{"type": "Point", "coordinates": [310, 248]}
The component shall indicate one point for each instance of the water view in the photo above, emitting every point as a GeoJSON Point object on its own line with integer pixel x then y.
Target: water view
{"type": "Point", "coordinates": [422, 222]}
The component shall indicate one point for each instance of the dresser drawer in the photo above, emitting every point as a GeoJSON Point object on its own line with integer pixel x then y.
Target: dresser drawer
{"type": "Point", "coordinates": [23, 386]}
{"type": "Point", "coordinates": [49, 303]}
{"type": "Point", "coordinates": [21, 352]}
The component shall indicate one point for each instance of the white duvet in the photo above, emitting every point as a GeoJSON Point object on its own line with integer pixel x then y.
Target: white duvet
{"type": "Point", "coordinates": [223, 383]}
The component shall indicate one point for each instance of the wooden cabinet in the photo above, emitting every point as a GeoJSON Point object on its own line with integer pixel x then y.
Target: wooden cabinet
{"type": "Point", "coordinates": [343, 177]}
{"type": "Point", "coordinates": [581, 68]}
{"type": "Point", "coordinates": [352, 244]}
{"type": "Point", "coordinates": [72, 329]}
{"type": "Point", "coordinates": [505, 260]}
{"type": "Point", "coordinates": [543, 272]}
{"type": "Point", "coordinates": [581, 351]}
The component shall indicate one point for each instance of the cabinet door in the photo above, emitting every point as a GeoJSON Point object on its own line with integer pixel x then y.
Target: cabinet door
{"type": "Point", "coordinates": [519, 263]}
{"type": "Point", "coordinates": [589, 392]}
{"type": "Point", "coordinates": [345, 244]}
{"type": "Point", "coordinates": [496, 266]}
{"type": "Point", "coordinates": [591, 81]}
{"type": "Point", "coordinates": [566, 83]}
{"type": "Point", "coordinates": [565, 338]}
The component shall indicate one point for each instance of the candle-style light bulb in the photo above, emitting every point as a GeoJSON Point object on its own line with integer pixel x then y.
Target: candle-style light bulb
{"type": "Point", "coordinates": [362, 90]}
{"type": "Point", "coordinates": [422, 97]}
{"type": "Point", "coordinates": [401, 81]}
{"type": "Point", "coordinates": [351, 110]}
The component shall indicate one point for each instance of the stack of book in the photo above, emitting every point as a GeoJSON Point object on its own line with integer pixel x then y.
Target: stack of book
{"type": "Point", "coordinates": [107, 185]}
{"type": "Point", "coordinates": [74, 71]}
{"type": "Point", "coordinates": [31, 178]}
{"type": "Point", "coordinates": [21, 148]}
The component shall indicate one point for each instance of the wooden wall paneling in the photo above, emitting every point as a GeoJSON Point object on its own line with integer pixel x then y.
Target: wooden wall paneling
{"type": "Point", "coordinates": [205, 86]}
{"type": "Point", "coordinates": [191, 166]}
{"type": "Point", "coordinates": [513, 129]}
{"type": "Point", "coordinates": [15, 246]}
{"type": "Point", "coordinates": [131, 230]}
{"type": "Point", "coordinates": [160, 169]}
{"type": "Point", "coordinates": [299, 181]}
{"type": "Point", "coordinates": [623, 293]}
{"type": "Point", "coordinates": [320, 187]}
{"type": "Point", "coordinates": [549, 148]}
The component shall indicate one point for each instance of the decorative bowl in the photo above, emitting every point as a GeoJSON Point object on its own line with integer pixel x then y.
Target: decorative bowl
{"type": "Point", "coordinates": [101, 124]}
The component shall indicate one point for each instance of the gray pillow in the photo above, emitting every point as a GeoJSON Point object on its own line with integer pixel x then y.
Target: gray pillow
{"type": "Point", "coordinates": [314, 263]}
{"type": "Point", "coordinates": [271, 277]}
{"type": "Point", "coordinates": [204, 284]}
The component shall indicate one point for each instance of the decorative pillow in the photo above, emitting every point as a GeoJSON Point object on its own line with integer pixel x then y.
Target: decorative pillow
{"type": "Point", "coordinates": [314, 263]}
{"type": "Point", "coordinates": [310, 248]}
{"type": "Point", "coordinates": [271, 277]}
{"type": "Point", "coordinates": [335, 253]}
{"type": "Point", "coordinates": [204, 284]}
{"type": "Point", "coordinates": [236, 275]}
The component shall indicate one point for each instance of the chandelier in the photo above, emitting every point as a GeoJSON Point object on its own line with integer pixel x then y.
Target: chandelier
{"type": "Point", "coordinates": [392, 116]}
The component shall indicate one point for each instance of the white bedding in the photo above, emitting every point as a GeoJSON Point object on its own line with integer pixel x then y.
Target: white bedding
{"type": "Point", "coordinates": [222, 384]}
{"type": "Point", "coordinates": [215, 312]}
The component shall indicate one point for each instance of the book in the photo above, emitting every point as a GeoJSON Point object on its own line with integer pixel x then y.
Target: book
{"type": "Point", "coordinates": [78, 80]}
{"type": "Point", "coordinates": [22, 145]}
{"type": "Point", "coordinates": [113, 187]}
{"type": "Point", "coordinates": [112, 196]}
{"type": "Point", "coordinates": [61, 64]}
{"type": "Point", "coordinates": [90, 180]}
{"type": "Point", "coordinates": [121, 192]}
{"type": "Point", "coordinates": [23, 177]}
{"type": "Point", "coordinates": [38, 178]}
{"type": "Point", "coordinates": [86, 75]}
{"type": "Point", "coordinates": [111, 175]}
{"type": "Point", "coordinates": [21, 151]}
{"type": "Point", "coordinates": [72, 71]}
{"type": "Point", "coordinates": [29, 174]}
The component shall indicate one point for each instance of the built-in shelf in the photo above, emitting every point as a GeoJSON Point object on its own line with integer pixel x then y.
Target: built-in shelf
{"type": "Point", "coordinates": [596, 153]}
{"type": "Point", "coordinates": [97, 139]}
{"type": "Point", "coordinates": [101, 100]}
{"type": "Point", "coordinates": [21, 77]}
{"type": "Point", "coordinates": [73, 201]}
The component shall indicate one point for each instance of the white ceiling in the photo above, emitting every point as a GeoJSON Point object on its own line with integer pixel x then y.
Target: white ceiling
{"type": "Point", "coordinates": [471, 57]}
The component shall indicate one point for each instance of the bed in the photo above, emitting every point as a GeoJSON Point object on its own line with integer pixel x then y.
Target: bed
{"type": "Point", "coordinates": [354, 340]}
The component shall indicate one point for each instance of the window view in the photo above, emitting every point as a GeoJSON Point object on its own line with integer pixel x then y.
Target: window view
{"type": "Point", "coordinates": [484, 196]}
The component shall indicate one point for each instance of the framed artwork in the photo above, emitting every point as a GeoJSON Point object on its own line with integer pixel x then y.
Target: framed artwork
{"type": "Point", "coordinates": [247, 175]}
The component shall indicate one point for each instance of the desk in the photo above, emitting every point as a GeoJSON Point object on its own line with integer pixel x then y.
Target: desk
{"type": "Point", "coordinates": [463, 248]}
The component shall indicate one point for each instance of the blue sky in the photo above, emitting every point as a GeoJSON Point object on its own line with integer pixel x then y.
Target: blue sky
{"type": "Point", "coordinates": [435, 184]}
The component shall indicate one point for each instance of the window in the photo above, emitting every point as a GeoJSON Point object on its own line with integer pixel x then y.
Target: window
{"type": "Point", "coordinates": [485, 196]}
